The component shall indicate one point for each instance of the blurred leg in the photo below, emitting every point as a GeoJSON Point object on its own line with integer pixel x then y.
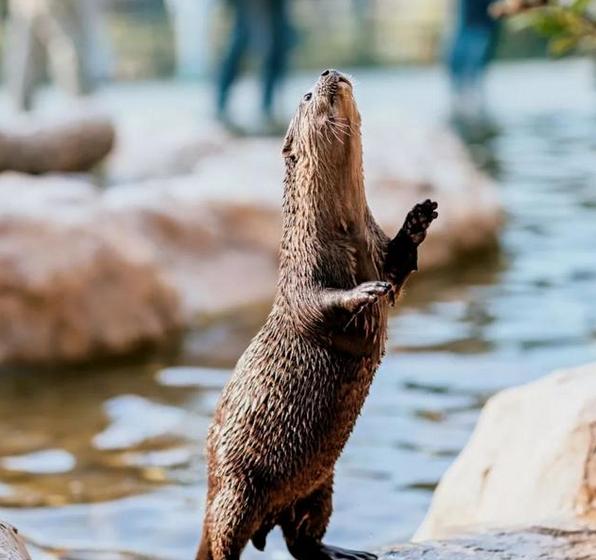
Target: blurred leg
{"type": "Point", "coordinates": [276, 54]}
{"type": "Point", "coordinates": [21, 55]}
{"type": "Point", "coordinates": [64, 33]}
{"type": "Point", "coordinates": [191, 20]}
{"type": "Point", "coordinates": [237, 47]}
{"type": "Point", "coordinates": [98, 55]}
{"type": "Point", "coordinates": [471, 51]}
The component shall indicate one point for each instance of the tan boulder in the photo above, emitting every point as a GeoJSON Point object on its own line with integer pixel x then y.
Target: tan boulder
{"type": "Point", "coordinates": [530, 460]}
{"type": "Point", "coordinates": [85, 272]}
{"type": "Point", "coordinates": [75, 280]}
{"type": "Point", "coordinates": [73, 146]}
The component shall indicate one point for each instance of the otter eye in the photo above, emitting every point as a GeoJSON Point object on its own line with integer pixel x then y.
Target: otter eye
{"type": "Point", "coordinates": [308, 97]}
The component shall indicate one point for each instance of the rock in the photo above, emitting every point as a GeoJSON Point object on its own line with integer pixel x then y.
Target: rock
{"type": "Point", "coordinates": [86, 272]}
{"type": "Point", "coordinates": [12, 546]}
{"type": "Point", "coordinates": [76, 281]}
{"type": "Point", "coordinates": [421, 162]}
{"type": "Point", "coordinates": [531, 460]}
{"type": "Point", "coordinates": [536, 543]}
{"type": "Point", "coordinates": [75, 146]}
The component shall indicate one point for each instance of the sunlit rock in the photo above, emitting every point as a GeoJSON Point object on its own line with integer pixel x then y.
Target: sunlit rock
{"type": "Point", "coordinates": [76, 281]}
{"type": "Point", "coordinates": [87, 273]}
{"type": "Point", "coordinates": [531, 460]}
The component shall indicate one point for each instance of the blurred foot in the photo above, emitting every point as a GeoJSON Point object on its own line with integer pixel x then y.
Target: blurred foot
{"type": "Point", "coordinates": [269, 126]}
{"type": "Point", "coordinates": [229, 125]}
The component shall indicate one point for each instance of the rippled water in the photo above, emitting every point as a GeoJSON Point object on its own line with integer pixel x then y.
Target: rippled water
{"type": "Point", "coordinates": [111, 459]}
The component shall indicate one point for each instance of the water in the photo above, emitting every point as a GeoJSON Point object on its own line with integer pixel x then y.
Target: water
{"type": "Point", "coordinates": [111, 458]}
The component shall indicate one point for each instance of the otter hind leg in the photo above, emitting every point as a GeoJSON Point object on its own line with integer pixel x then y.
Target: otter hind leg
{"type": "Point", "coordinates": [259, 538]}
{"type": "Point", "coordinates": [305, 525]}
{"type": "Point", "coordinates": [233, 519]}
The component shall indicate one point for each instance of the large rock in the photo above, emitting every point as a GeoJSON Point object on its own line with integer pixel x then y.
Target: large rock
{"type": "Point", "coordinates": [85, 272]}
{"type": "Point", "coordinates": [73, 146]}
{"type": "Point", "coordinates": [76, 280]}
{"type": "Point", "coordinates": [403, 165]}
{"type": "Point", "coordinates": [531, 460]}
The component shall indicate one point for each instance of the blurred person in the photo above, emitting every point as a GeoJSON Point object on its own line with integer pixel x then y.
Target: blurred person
{"type": "Point", "coordinates": [469, 54]}
{"type": "Point", "coordinates": [264, 24]}
{"type": "Point", "coordinates": [54, 30]}
{"type": "Point", "coordinates": [191, 23]}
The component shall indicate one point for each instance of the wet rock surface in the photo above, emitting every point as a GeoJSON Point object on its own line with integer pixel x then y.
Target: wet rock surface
{"type": "Point", "coordinates": [536, 543]}
{"type": "Point", "coordinates": [75, 280]}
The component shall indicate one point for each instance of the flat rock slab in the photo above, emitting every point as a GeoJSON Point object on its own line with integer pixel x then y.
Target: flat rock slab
{"type": "Point", "coordinates": [536, 543]}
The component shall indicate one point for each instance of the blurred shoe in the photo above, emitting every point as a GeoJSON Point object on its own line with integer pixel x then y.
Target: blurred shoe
{"type": "Point", "coordinates": [229, 125]}
{"type": "Point", "coordinates": [269, 126]}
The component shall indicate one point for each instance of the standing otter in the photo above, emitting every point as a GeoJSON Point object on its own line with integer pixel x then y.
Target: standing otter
{"type": "Point", "coordinates": [290, 406]}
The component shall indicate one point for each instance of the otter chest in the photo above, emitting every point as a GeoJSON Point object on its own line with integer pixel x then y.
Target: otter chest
{"type": "Point", "coordinates": [349, 260]}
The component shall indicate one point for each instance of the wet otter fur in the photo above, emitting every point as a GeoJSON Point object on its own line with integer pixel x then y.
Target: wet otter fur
{"type": "Point", "coordinates": [288, 410]}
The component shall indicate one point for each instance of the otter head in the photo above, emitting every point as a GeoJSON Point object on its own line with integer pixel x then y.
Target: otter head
{"type": "Point", "coordinates": [326, 126]}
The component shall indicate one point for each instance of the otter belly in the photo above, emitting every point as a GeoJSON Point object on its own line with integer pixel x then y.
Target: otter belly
{"type": "Point", "coordinates": [288, 411]}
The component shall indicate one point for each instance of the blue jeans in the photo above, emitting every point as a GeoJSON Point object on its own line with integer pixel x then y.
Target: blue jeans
{"type": "Point", "coordinates": [473, 45]}
{"type": "Point", "coordinates": [264, 24]}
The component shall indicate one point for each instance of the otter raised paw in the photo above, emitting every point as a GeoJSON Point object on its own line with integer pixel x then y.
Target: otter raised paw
{"type": "Point", "coordinates": [419, 219]}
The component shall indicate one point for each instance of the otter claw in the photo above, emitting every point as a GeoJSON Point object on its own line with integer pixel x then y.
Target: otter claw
{"type": "Point", "coordinates": [419, 219]}
{"type": "Point", "coordinates": [367, 294]}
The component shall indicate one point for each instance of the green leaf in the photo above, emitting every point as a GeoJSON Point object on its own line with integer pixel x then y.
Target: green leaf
{"type": "Point", "coordinates": [580, 6]}
{"type": "Point", "coordinates": [562, 45]}
{"type": "Point", "coordinates": [550, 24]}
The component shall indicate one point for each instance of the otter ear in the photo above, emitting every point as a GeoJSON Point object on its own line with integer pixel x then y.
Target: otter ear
{"type": "Point", "coordinates": [286, 151]}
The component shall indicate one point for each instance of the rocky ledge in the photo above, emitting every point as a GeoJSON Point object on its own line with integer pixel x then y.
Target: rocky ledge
{"type": "Point", "coordinates": [536, 543]}
{"type": "Point", "coordinates": [86, 272]}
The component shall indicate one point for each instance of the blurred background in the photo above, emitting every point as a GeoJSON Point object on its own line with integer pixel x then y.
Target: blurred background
{"type": "Point", "coordinates": [140, 182]}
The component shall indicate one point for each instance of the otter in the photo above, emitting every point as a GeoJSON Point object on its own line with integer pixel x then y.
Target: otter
{"type": "Point", "coordinates": [286, 413]}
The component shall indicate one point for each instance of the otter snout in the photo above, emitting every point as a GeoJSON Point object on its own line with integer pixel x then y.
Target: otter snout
{"type": "Point", "coordinates": [331, 78]}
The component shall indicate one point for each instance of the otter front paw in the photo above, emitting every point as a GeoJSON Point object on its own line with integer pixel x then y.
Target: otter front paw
{"type": "Point", "coordinates": [366, 294]}
{"type": "Point", "coordinates": [419, 219]}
